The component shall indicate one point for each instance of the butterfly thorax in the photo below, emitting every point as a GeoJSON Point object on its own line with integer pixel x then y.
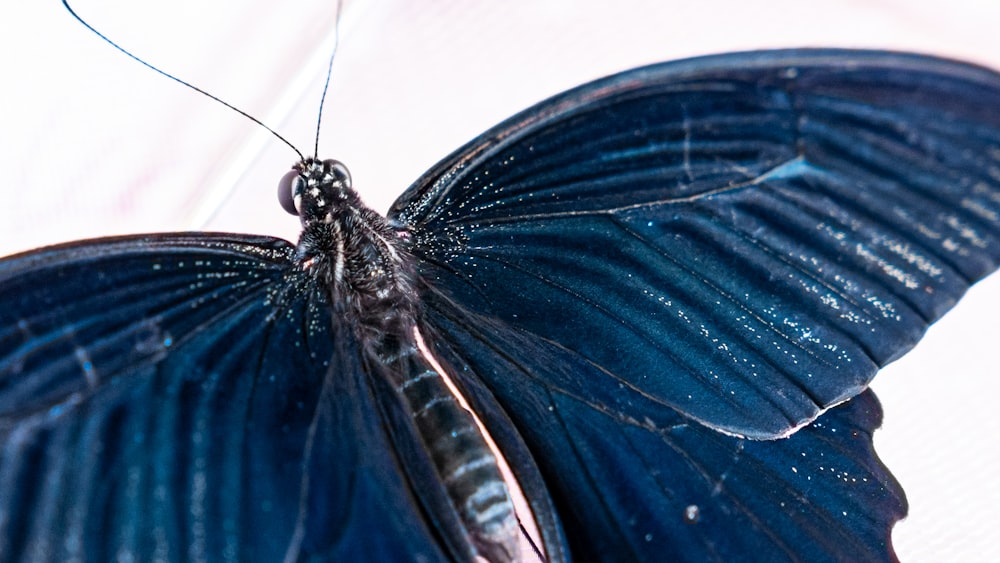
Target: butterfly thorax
{"type": "Point", "coordinates": [355, 254]}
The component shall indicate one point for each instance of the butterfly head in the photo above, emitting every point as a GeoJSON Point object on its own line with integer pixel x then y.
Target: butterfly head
{"type": "Point", "coordinates": [315, 189]}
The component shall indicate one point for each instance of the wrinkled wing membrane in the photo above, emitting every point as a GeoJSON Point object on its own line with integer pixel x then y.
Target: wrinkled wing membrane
{"type": "Point", "coordinates": [636, 481]}
{"type": "Point", "coordinates": [744, 238]}
{"type": "Point", "coordinates": [185, 397]}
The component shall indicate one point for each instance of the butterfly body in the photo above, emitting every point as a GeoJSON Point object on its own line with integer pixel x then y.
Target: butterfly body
{"type": "Point", "coordinates": [361, 262]}
{"type": "Point", "coordinates": [663, 294]}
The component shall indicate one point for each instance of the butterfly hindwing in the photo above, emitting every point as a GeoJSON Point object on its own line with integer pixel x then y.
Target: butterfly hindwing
{"type": "Point", "coordinates": [745, 238]}
{"type": "Point", "coordinates": [191, 397]}
{"type": "Point", "coordinates": [636, 481]}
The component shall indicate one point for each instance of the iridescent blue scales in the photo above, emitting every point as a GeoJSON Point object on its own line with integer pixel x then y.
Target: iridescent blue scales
{"type": "Point", "coordinates": [663, 294]}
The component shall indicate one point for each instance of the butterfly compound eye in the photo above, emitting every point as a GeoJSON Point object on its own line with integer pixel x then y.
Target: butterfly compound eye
{"type": "Point", "coordinates": [339, 171]}
{"type": "Point", "coordinates": [287, 187]}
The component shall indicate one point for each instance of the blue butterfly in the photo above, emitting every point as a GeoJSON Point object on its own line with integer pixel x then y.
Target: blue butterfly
{"type": "Point", "coordinates": [663, 295]}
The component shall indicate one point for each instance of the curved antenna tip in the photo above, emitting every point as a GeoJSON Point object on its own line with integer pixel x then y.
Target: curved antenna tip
{"type": "Point", "coordinates": [329, 72]}
{"type": "Point", "coordinates": [66, 5]}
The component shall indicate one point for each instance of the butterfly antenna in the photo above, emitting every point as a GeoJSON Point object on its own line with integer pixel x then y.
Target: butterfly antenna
{"type": "Point", "coordinates": [178, 80]}
{"type": "Point", "coordinates": [329, 71]}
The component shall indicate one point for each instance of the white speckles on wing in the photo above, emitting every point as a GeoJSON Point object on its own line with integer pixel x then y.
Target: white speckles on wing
{"type": "Point", "coordinates": [979, 210]}
{"type": "Point", "coordinates": [890, 269]}
{"type": "Point", "coordinates": [966, 232]}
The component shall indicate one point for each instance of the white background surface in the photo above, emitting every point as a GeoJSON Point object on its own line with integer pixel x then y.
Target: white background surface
{"type": "Point", "coordinates": [93, 144]}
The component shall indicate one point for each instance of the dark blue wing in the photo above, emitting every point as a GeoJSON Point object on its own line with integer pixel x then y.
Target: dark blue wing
{"type": "Point", "coordinates": [743, 238]}
{"type": "Point", "coordinates": [633, 480]}
{"type": "Point", "coordinates": [191, 397]}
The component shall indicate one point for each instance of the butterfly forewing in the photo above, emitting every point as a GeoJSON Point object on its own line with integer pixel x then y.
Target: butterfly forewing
{"type": "Point", "coordinates": [744, 238]}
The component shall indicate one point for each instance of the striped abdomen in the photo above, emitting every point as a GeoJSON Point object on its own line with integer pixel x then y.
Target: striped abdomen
{"type": "Point", "coordinates": [462, 457]}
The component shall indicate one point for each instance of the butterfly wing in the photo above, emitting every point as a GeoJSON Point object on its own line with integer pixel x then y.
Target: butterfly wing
{"type": "Point", "coordinates": [191, 397]}
{"type": "Point", "coordinates": [635, 481]}
{"type": "Point", "coordinates": [745, 238]}
{"type": "Point", "coordinates": [739, 241]}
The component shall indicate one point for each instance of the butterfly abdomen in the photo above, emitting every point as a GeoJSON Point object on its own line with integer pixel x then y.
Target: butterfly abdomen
{"type": "Point", "coordinates": [464, 461]}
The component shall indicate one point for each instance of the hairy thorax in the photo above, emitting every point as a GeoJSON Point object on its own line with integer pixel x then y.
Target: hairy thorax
{"type": "Point", "coordinates": [356, 256]}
